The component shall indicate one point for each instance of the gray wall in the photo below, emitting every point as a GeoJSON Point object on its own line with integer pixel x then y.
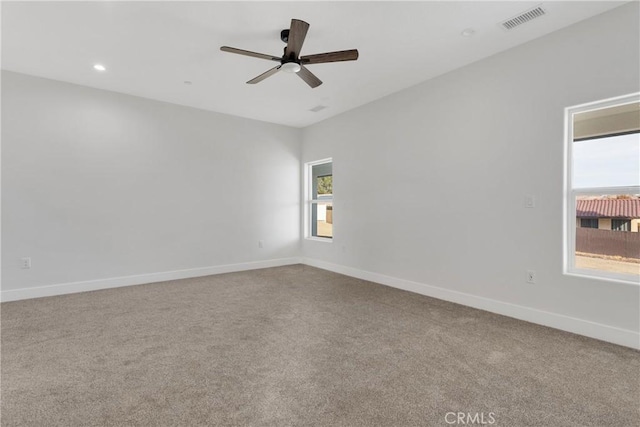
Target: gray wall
{"type": "Point", "coordinates": [429, 183]}
{"type": "Point", "coordinates": [99, 185]}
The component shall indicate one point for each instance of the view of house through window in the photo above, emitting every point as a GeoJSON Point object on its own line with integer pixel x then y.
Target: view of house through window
{"type": "Point", "coordinates": [320, 191]}
{"type": "Point", "coordinates": [604, 190]}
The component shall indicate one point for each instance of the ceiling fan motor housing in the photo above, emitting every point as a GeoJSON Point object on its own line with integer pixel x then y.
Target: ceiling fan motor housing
{"type": "Point", "coordinates": [284, 36]}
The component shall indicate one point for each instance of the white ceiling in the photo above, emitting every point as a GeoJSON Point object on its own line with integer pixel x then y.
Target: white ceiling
{"type": "Point", "coordinates": [151, 48]}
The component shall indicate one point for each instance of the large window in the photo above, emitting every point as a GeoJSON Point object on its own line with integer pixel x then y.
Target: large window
{"type": "Point", "coordinates": [602, 205]}
{"type": "Point", "coordinates": [319, 195]}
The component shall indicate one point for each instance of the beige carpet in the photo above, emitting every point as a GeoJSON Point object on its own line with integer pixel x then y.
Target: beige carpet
{"type": "Point", "coordinates": [298, 346]}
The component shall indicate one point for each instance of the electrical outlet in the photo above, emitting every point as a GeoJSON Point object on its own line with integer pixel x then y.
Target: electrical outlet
{"type": "Point", "coordinates": [261, 244]}
{"type": "Point", "coordinates": [25, 263]}
{"type": "Point", "coordinates": [531, 276]}
{"type": "Point", "coordinates": [529, 201]}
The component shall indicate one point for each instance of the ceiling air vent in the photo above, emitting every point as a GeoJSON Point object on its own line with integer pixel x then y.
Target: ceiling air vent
{"type": "Point", "coordinates": [318, 108]}
{"type": "Point", "coordinates": [523, 18]}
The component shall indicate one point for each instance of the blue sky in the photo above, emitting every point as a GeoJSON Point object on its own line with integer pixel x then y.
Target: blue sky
{"type": "Point", "coordinates": [607, 162]}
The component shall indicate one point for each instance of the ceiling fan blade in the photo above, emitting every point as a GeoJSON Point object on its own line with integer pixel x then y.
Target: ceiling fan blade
{"type": "Point", "coordinates": [309, 77]}
{"type": "Point", "coordinates": [343, 55]}
{"type": "Point", "coordinates": [264, 75]}
{"type": "Point", "coordinates": [249, 53]}
{"type": "Point", "coordinates": [297, 33]}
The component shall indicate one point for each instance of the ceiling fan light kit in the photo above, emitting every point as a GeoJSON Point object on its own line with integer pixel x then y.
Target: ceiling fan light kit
{"type": "Point", "coordinates": [290, 67]}
{"type": "Point", "coordinates": [291, 61]}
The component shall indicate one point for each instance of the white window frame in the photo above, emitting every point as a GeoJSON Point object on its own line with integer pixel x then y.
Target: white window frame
{"type": "Point", "coordinates": [309, 200]}
{"type": "Point", "coordinates": [570, 194]}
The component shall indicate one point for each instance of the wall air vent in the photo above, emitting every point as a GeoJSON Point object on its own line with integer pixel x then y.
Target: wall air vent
{"type": "Point", "coordinates": [523, 18]}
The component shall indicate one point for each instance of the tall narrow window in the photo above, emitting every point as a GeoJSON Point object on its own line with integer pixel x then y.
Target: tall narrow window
{"type": "Point", "coordinates": [320, 199]}
{"type": "Point", "coordinates": [602, 206]}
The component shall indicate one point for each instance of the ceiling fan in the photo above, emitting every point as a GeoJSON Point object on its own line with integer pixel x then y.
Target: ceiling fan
{"type": "Point", "coordinates": [291, 61]}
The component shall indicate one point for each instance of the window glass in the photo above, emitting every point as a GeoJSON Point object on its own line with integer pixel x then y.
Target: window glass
{"type": "Point", "coordinates": [323, 213]}
{"type": "Point", "coordinates": [621, 225]}
{"type": "Point", "coordinates": [607, 162]}
{"type": "Point", "coordinates": [589, 222]}
{"type": "Point", "coordinates": [607, 244]}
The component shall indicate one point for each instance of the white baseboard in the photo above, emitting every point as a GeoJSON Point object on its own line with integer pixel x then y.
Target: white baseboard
{"type": "Point", "coordinates": [599, 331]}
{"type": "Point", "coordinates": [587, 328]}
{"type": "Point", "coordinates": [116, 282]}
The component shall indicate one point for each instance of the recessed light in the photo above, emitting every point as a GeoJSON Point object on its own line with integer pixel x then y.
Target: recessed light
{"type": "Point", "coordinates": [99, 67]}
{"type": "Point", "coordinates": [468, 32]}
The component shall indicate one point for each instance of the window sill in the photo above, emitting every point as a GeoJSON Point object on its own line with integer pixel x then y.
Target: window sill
{"type": "Point", "coordinates": [609, 277]}
{"type": "Point", "coordinates": [320, 239]}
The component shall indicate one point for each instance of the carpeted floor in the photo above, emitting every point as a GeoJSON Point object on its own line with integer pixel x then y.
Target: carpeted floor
{"type": "Point", "coordinates": [298, 346]}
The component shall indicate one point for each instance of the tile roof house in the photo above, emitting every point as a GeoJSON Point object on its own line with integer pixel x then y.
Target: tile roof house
{"type": "Point", "coordinates": [609, 214]}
